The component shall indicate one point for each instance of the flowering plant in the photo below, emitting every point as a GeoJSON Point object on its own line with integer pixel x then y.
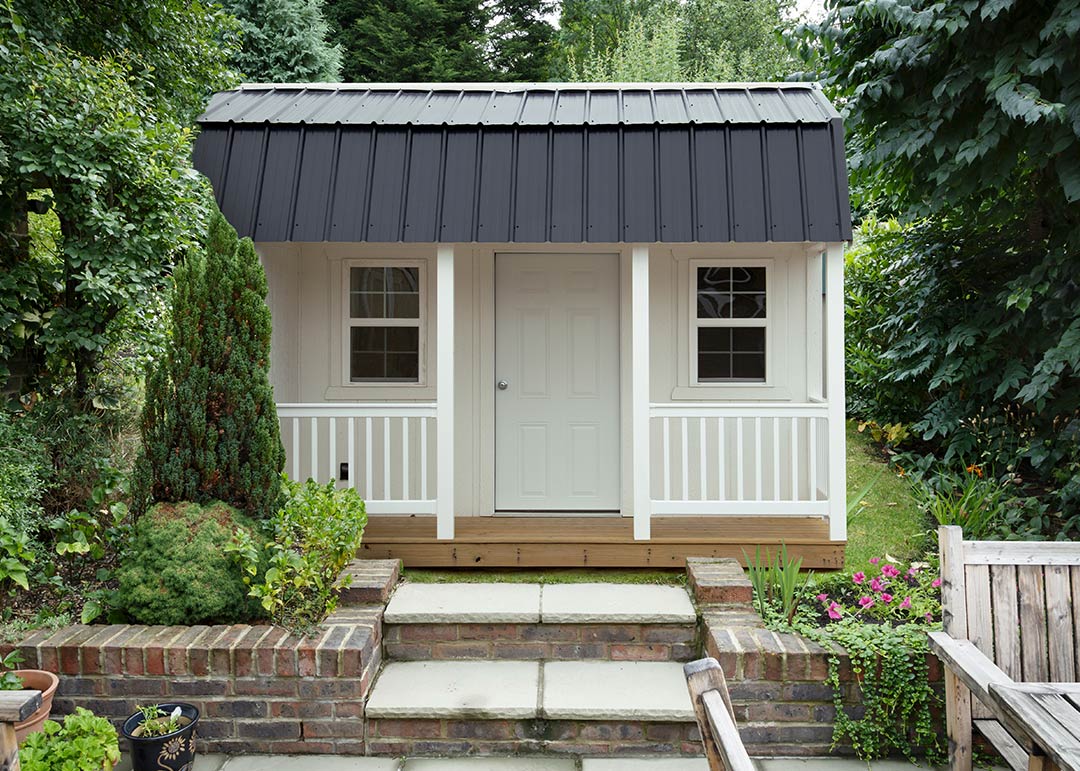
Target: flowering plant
{"type": "Point", "coordinates": [886, 591]}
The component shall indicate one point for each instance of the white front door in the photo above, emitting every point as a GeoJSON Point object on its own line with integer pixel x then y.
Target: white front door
{"type": "Point", "coordinates": [557, 382]}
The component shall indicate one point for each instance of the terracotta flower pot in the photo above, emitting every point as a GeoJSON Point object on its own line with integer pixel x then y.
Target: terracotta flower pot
{"type": "Point", "coordinates": [36, 680]}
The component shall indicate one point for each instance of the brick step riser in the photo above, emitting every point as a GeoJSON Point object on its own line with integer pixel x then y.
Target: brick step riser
{"type": "Point", "coordinates": [457, 737]}
{"type": "Point", "coordinates": [547, 642]}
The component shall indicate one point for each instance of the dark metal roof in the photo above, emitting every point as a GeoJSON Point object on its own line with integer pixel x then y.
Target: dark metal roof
{"type": "Point", "coordinates": [520, 105]}
{"type": "Point", "coordinates": [530, 164]}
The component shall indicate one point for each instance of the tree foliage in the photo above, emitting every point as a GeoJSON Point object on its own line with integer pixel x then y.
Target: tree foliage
{"type": "Point", "coordinates": [284, 41]}
{"type": "Point", "coordinates": [209, 426]}
{"type": "Point", "coordinates": [98, 195]}
{"type": "Point", "coordinates": [700, 40]}
{"type": "Point", "coordinates": [391, 41]}
{"type": "Point", "coordinates": [963, 119]}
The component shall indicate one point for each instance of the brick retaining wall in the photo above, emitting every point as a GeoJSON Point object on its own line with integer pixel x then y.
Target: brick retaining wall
{"type": "Point", "coordinates": [258, 688]}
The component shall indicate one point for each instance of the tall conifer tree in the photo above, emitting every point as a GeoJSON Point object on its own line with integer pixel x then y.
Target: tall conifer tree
{"type": "Point", "coordinates": [284, 41]}
{"type": "Point", "coordinates": [210, 427]}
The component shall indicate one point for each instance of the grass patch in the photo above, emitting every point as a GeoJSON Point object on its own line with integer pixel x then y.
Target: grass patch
{"type": "Point", "coordinates": [548, 576]}
{"type": "Point", "coordinates": [887, 518]}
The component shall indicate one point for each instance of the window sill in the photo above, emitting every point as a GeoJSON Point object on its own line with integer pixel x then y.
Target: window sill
{"type": "Point", "coordinates": [734, 391]}
{"type": "Point", "coordinates": [370, 392]}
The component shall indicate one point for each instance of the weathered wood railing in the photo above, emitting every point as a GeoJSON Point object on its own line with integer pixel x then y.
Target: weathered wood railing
{"type": "Point", "coordinates": [386, 451]}
{"type": "Point", "coordinates": [15, 706]}
{"type": "Point", "coordinates": [740, 458]}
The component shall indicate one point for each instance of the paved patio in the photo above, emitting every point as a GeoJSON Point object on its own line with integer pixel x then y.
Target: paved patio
{"type": "Point", "coordinates": [337, 763]}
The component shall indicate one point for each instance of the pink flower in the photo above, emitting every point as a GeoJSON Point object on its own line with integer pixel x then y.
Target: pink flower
{"type": "Point", "coordinates": [906, 603]}
{"type": "Point", "coordinates": [936, 583]}
{"type": "Point", "coordinates": [875, 560]}
{"type": "Point", "coordinates": [822, 597]}
{"type": "Point", "coordinates": [866, 602]}
{"type": "Point", "coordinates": [890, 571]}
{"type": "Point", "coordinates": [876, 585]}
{"type": "Point", "coordinates": [886, 597]}
{"type": "Point", "coordinates": [859, 577]}
{"type": "Point", "coordinates": [834, 611]}
{"type": "Point", "coordinates": [929, 616]}
{"type": "Point", "coordinates": [912, 572]}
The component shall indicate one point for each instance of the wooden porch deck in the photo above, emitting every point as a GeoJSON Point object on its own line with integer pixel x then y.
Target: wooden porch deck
{"type": "Point", "coordinates": [595, 541]}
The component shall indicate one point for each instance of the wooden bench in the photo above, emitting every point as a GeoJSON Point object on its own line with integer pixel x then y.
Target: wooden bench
{"type": "Point", "coordinates": [715, 716]}
{"type": "Point", "coordinates": [1011, 614]}
{"type": "Point", "coordinates": [15, 706]}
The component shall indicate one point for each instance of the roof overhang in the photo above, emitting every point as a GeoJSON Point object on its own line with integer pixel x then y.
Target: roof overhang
{"type": "Point", "coordinates": [528, 163]}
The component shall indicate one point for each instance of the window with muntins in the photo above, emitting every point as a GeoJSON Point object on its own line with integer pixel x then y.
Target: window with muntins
{"type": "Point", "coordinates": [384, 323]}
{"type": "Point", "coordinates": [730, 323]}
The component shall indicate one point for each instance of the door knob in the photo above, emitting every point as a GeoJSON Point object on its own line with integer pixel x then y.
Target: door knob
{"type": "Point", "coordinates": [503, 385]}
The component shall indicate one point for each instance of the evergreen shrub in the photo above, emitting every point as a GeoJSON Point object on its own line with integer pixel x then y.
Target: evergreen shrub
{"type": "Point", "coordinates": [209, 426]}
{"type": "Point", "coordinates": [177, 570]}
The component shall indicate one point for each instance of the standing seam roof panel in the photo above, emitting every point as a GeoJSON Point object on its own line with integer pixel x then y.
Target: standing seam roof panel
{"type": "Point", "coordinates": [633, 164]}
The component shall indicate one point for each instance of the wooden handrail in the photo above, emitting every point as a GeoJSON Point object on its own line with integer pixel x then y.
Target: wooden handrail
{"type": "Point", "coordinates": [715, 716]}
{"type": "Point", "coordinates": [14, 707]}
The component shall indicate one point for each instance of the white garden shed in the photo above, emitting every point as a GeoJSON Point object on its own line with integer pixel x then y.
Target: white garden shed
{"type": "Point", "coordinates": [553, 324]}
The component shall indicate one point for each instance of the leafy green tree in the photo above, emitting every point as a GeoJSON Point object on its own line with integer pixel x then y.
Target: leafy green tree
{"type": "Point", "coordinates": [389, 41]}
{"type": "Point", "coordinates": [521, 40]}
{"type": "Point", "coordinates": [700, 40]}
{"type": "Point", "coordinates": [284, 41]}
{"type": "Point", "coordinates": [209, 426]}
{"type": "Point", "coordinates": [964, 120]}
{"type": "Point", "coordinates": [95, 99]}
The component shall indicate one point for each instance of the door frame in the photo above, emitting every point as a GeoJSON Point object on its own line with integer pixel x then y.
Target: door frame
{"type": "Point", "coordinates": [621, 392]}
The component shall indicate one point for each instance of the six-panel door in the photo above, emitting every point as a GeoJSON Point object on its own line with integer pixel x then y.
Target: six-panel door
{"type": "Point", "coordinates": [556, 382]}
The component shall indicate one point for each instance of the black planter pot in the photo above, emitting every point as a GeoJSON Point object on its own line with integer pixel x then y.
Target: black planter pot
{"type": "Point", "coordinates": [171, 752]}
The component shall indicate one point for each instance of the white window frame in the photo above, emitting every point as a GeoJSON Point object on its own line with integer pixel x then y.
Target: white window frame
{"type": "Point", "coordinates": [348, 322]}
{"type": "Point", "coordinates": [695, 323]}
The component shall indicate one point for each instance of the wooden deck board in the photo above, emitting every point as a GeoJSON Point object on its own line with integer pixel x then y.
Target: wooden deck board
{"type": "Point", "coordinates": [523, 541]}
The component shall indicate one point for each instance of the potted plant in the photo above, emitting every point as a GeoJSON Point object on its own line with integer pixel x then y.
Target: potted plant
{"type": "Point", "coordinates": [162, 737]}
{"type": "Point", "coordinates": [83, 741]}
{"type": "Point", "coordinates": [30, 680]}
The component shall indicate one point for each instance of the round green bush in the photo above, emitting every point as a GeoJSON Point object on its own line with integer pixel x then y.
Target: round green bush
{"type": "Point", "coordinates": [177, 570]}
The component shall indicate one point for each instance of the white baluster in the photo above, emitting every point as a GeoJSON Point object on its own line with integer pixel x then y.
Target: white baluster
{"type": "Point", "coordinates": [423, 459]}
{"type": "Point", "coordinates": [405, 459]}
{"type": "Point", "coordinates": [794, 459]}
{"type": "Point", "coordinates": [296, 449]}
{"type": "Point", "coordinates": [369, 491]}
{"type": "Point", "coordinates": [703, 477]}
{"type": "Point", "coordinates": [685, 462]}
{"type": "Point", "coordinates": [386, 459]}
{"type": "Point", "coordinates": [757, 458]}
{"type": "Point", "coordinates": [667, 459]}
{"type": "Point", "coordinates": [739, 457]}
{"type": "Point", "coordinates": [721, 437]}
{"type": "Point", "coordinates": [776, 457]}
{"type": "Point", "coordinates": [315, 449]}
{"type": "Point", "coordinates": [813, 459]}
{"type": "Point", "coordinates": [351, 481]}
{"type": "Point", "coordinates": [333, 449]}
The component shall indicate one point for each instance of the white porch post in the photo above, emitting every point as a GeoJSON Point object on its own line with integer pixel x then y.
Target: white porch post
{"type": "Point", "coordinates": [639, 390]}
{"type": "Point", "coordinates": [834, 376]}
{"type": "Point", "coordinates": [444, 393]}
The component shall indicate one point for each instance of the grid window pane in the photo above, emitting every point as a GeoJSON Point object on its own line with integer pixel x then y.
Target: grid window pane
{"type": "Point", "coordinates": [384, 353]}
{"type": "Point", "coordinates": [725, 293]}
{"type": "Point", "coordinates": [731, 353]}
{"type": "Point", "coordinates": [381, 293]}
{"type": "Point", "coordinates": [714, 279]}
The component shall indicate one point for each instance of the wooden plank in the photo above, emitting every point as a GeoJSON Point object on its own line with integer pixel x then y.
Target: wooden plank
{"type": "Point", "coordinates": [724, 729]}
{"type": "Point", "coordinates": [1006, 620]}
{"type": "Point", "coordinates": [1009, 749]}
{"type": "Point", "coordinates": [953, 598]}
{"type": "Point", "coordinates": [1049, 718]}
{"type": "Point", "coordinates": [1076, 609]}
{"type": "Point", "coordinates": [1022, 552]}
{"type": "Point", "coordinates": [980, 623]}
{"type": "Point", "coordinates": [9, 748]}
{"type": "Point", "coordinates": [826, 556]}
{"type": "Point", "coordinates": [1033, 653]}
{"type": "Point", "coordinates": [18, 705]}
{"type": "Point", "coordinates": [1059, 624]}
{"type": "Point", "coordinates": [601, 529]}
{"type": "Point", "coordinates": [970, 664]}
{"type": "Point", "coordinates": [704, 676]}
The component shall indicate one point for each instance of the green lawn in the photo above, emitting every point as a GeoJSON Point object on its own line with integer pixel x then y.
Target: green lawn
{"type": "Point", "coordinates": [886, 519]}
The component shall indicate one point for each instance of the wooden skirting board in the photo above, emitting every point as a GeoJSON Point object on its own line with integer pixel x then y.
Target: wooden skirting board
{"type": "Point", "coordinates": [543, 541]}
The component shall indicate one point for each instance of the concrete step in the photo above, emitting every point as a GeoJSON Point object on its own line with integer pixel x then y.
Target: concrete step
{"type": "Point", "coordinates": [617, 622]}
{"type": "Point", "coordinates": [514, 707]}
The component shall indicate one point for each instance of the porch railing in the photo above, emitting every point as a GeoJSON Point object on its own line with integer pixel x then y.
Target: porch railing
{"type": "Point", "coordinates": [740, 458]}
{"type": "Point", "coordinates": [385, 451]}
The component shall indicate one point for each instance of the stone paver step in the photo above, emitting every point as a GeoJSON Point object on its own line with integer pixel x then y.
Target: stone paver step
{"type": "Point", "coordinates": [532, 603]}
{"type": "Point", "coordinates": [639, 691]}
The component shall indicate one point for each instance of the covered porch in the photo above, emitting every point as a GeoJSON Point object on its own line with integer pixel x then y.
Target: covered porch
{"type": "Point", "coordinates": [712, 478]}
